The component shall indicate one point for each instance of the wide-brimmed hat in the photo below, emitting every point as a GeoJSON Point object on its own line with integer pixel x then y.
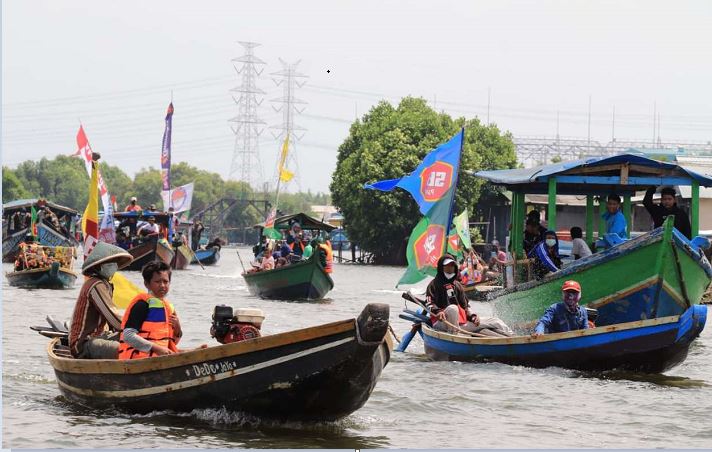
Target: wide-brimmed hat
{"type": "Point", "coordinates": [104, 253]}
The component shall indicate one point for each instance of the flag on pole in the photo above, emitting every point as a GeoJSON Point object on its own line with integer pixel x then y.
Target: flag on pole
{"type": "Point", "coordinates": [180, 198]}
{"type": "Point", "coordinates": [166, 150]}
{"type": "Point", "coordinates": [124, 291]}
{"type": "Point", "coordinates": [284, 174]}
{"type": "Point", "coordinates": [432, 179]}
{"type": "Point", "coordinates": [90, 219]}
{"type": "Point", "coordinates": [85, 152]}
{"type": "Point", "coordinates": [269, 229]}
{"type": "Point", "coordinates": [33, 221]}
{"type": "Point", "coordinates": [462, 226]}
{"type": "Point", "coordinates": [436, 180]}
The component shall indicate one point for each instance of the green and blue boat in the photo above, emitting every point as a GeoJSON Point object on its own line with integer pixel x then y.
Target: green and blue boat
{"type": "Point", "coordinates": [52, 277]}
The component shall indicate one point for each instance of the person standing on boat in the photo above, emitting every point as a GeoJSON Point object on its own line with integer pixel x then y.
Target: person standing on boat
{"type": "Point", "coordinates": [150, 324]}
{"type": "Point", "coordinates": [195, 233]}
{"type": "Point", "coordinates": [533, 231]}
{"type": "Point", "coordinates": [566, 315]}
{"type": "Point", "coordinates": [545, 256]}
{"type": "Point", "coordinates": [133, 206]}
{"type": "Point", "coordinates": [294, 240]}
{"type": "Point", "coordinates": [667, 206]}
{"type": "Point", "coordinates": [614, 218]}
{"type": "Point", "coordinates": [94, 332]}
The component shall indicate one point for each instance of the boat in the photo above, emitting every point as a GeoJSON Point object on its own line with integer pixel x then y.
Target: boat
{"type": "Point", "coordinates": [182, 257]}
{"type": "Point", "coordinates": [152, 247]}
{"type": "Point", "coordinates": [321, 373]}
{"type": "Point", "coordinates": [657, 274]}
{"type": "Point", "coordinates": [46, 234]}
{"type": "Point", "coordinates": [652, 345]}
{"type": "Point", "coordinates": [480, 290]}
{"type": "Point", "coordinates": [209, 256]}
{"type": "Point", "coordinates": [305, 280]}
{"type": "Point", "coordinates": [51, 277]}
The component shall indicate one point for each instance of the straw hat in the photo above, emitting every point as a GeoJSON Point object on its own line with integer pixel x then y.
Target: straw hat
{"type": "Point", "coordinates": [104, 253]}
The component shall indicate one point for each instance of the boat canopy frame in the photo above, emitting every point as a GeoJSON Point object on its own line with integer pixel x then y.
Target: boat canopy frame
{"type": "Point", "coordinates": [305, 221]}
{"type": "Point", "coordinates": [11, 207]}
{"type": "Point", "coordinates": [622, 174]}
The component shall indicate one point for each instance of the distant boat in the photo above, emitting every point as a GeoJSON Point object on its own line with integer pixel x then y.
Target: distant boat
{"type": "Point", "coordinates": [150, 248]}
{"type": "Point", "coordinates": [207, 257]}
{"type": "Point", "coordinates": [47, 235]}
{"type": "Point", "coordinates": [52, 277]}
{"type": "Point", "coordinates": [182, 256]}
{"type": "Point", "coordinates": [321, 373]}
{"type": "Point", "coordinates": [305, 280]}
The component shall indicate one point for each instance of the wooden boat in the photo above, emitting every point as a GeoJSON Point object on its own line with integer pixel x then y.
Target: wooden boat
{"type": "Point", "coordinates": [182, 256]}
{"type": "Point", "coordinates": [658, 274]}
{"type": "Point", "coordinates": [47, 235]}
{"type": "Point", "coordinates": [305, 280]}
{"type": "Point", "coordinates": [652, 345]}
{"type": "Point", "coordinates": [320, 373]}
{"type": "Point", "coordinates": [52, 277]}
{"type": "Point", "coordinates": [479, 291]}
{"type": "Point", "coordinates": [207, 257]}
{"type": "Point", "coordinates": [152, 247]}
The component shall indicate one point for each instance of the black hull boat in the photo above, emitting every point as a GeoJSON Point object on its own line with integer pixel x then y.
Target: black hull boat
{"type": "Point", "coordinates": [320, 373]}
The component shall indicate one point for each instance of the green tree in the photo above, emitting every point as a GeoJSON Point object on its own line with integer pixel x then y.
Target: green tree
{"type": "Point", "coordinates": [390, 142]}
{"type": "Point", "coordinates": [118, 183]}
{"type": "Point", "coordinates": [12, 187]}
{"type": "Point", "coordinates": [146, 188]}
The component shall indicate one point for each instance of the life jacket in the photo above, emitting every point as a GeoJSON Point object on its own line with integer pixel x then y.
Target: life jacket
{"type": "Point", "coordinates": [297, 242]}
{"type": "Point", "coordinates": [329, 257]}
{"type": "Point", "coordinates": [156, 328]}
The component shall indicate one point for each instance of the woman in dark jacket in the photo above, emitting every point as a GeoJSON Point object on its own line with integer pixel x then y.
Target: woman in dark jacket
{"type": "Point", "coordinates": [545, 256]}
{"type": "Point", "coordinates": [446, 299]}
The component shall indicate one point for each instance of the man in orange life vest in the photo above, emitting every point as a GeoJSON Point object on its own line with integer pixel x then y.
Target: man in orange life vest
{"type": "Point", "coordinates": [150, 324]}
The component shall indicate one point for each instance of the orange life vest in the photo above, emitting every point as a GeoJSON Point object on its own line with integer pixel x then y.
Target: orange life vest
{"type": "Point", "coordinates": [329, 257]}
{"type": "Point", "coordinates": [156, 328]}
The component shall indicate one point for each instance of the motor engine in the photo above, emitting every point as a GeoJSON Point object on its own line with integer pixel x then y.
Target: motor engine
{"type": "Point", "coordinates": [234, 326]}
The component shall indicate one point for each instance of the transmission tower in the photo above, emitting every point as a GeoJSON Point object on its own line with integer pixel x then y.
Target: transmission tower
{"type": "Point", "coordinates": [288, 78]}
{"type": "Point", "coordinates": [247, 125]}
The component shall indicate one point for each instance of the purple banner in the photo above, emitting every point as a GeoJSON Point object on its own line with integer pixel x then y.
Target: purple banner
{"type": "Point", "coordinates": [166, 151]}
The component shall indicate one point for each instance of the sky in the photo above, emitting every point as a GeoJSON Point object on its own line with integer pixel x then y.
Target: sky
{"type": "Point", "coordinates": [115, 65]}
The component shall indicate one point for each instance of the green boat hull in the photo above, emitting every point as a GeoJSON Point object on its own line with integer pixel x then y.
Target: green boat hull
{"type": "Point", "coordinates": [656, 275]}
{"type": "Point", "coordinates": [301, 281]}
{"type": "Point", "coordinates": [53, 277]}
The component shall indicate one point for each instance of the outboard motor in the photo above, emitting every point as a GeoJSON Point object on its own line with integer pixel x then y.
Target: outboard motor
{"type": "Point", "coordinates": [234, 326]}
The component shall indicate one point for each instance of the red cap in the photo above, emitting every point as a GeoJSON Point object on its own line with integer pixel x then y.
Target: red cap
{"type": "Point", "coordinates": [571, 285]}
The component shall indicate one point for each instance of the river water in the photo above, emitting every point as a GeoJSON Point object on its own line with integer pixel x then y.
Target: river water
{"type": "Point", "coordinates": [416, 403]}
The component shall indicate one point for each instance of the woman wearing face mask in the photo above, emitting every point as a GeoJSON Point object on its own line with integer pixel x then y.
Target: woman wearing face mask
{"type": "Point", "coordinates": [545, 256]}
{"type": "Point", "coordinates": [566, 315]}
{"type": "Point", "coordinates": [95, 327]}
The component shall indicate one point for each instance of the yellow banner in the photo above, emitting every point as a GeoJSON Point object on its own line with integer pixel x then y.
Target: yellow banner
{"type": "Point", "coordinates": [284, 174]}
{"type": "Point", "coordinates": [124, 291]}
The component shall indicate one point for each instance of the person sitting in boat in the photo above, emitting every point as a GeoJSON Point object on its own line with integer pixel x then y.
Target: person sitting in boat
{"type": "Point", "coordinates": [545, 256]}
{"type": "Point", "coordinates": [667, 206]}
{"type": "Point", "coordinates": [133, 206]}
{"type": "Point", "coordinates": [579, 248]}
{"type": "Point", "coordinates": [267, 259]}
{"type": "Point", "coordinates": [216, 242]}
{"type": "Point", "coordinates": [150, 324]}
{"type": "Point", "coordinates": [260, 246]}
{"type": "Point", "coordinates": [326, 255]}
{"type": "Point", "coordinates": [94, 332]}
{"type": "Point", "coordinates": [148, 228]}
{"type": "Point", "coordinates": [565, 315]}
{"type": "Point", "coordinates": [446, 300]}
{"type": "Point", "coordinates": [295, 239]}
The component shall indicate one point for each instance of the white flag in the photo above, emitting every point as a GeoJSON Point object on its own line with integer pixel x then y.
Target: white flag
{"type": "Point", "coordinates": [179, 198]}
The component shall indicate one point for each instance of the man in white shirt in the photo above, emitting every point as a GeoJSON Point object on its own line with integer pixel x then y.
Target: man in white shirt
{"type": "Point", "coordinates": [149, 228]}
{"type": "Point", "coordinates": [579, 248]}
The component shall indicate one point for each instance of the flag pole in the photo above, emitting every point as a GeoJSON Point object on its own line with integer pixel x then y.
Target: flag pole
{"type": "Point", "coordinates": [454, 188]}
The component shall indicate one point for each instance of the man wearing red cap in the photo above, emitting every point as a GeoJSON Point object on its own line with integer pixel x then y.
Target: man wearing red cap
{"type": "Point", "coordinates": [566, 315]}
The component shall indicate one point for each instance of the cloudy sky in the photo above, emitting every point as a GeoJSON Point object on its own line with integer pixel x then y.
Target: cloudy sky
{"type": "Point", "coordinates": [113, 65]}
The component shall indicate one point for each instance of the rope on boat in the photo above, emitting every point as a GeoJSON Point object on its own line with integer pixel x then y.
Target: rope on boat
{"type": "Point", "coordinates": [390, 328]}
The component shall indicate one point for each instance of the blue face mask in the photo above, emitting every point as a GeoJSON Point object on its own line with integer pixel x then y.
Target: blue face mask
{"type": "Point", "coordinates": [550, 242]}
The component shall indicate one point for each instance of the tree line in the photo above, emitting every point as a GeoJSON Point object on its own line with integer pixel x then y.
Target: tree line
{"type": "Point", "coordinates": [64, 180]}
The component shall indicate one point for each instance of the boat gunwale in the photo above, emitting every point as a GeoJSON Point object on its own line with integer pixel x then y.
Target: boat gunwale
{"type": "Point", "coordinates": [521, 340]}
{"type": "Point", "coordinates": [312, 261]}
{"type": "Point", "coordinates": [138, 366]}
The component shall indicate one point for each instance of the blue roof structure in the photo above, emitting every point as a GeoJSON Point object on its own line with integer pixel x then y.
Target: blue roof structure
{"type": "Point", "coordinates": [623, 173]}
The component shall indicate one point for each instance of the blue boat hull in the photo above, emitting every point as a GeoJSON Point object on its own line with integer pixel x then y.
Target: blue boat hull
{"type": "Point", "coordinates": [653, 345]}
{"type": "Point", "coordinates": [207, 257]}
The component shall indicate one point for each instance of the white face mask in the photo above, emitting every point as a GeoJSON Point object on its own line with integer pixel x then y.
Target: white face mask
{"type": "Point", "coordinates": [550, 242]}
{"type": "Point", "coordinates": [449, 275]}
{"type": "Point", "coordinates": [108, 270]}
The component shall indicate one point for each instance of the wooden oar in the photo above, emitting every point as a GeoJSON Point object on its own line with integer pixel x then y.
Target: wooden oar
{"type": "Point", "coordinates": [241, 264]}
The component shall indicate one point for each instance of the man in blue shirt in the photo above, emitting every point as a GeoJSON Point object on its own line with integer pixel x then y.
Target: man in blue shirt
{"type": "Point", "coordinates": [566, 315]}
{"type": "Point", "coordinates": [615, 221]}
